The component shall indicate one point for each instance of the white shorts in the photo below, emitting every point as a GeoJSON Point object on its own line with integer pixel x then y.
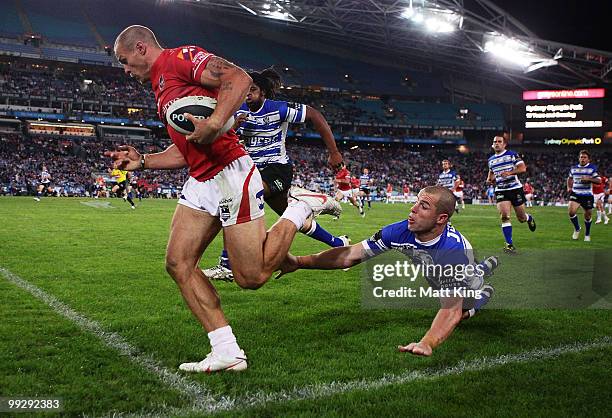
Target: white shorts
{"type": "Point", "coordinates": [458, 195]}
{"type": "Point", "coordinates": [235, 194]}
{"type": "Point", "coordinates": [346, 193]}
{"type": "Point", "coordinates": [529, 196]}
{"type": "Point", "coordinates": [599, 196]}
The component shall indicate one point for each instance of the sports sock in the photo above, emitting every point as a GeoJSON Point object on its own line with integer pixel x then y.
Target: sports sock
{"type": "Point", "coordinates": [574, 220]}
{"type": "Point", "coordinates": [297, 212]}
{"type": "Point", "coordinates": [224, 259]}
{"type": "Point", "coordinates": [587, 227]}
{"type": "Point", "coordinates": [598, 215]}
{"type": "Point", "coordinates": [223, 341]}
{"type": "Point", "coordinates": [507, 230]}
{"type": "Point", "coordinates": [317, 232]}
{"type": "Point", "coordinates": [130, 201]}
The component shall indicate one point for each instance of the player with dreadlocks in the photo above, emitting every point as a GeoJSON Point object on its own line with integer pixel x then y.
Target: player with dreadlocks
{"type": "Point", "coordinates": [262, 124]}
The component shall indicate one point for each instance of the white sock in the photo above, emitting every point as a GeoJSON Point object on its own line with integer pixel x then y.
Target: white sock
{"type": "Point", "coordinates": [598, 215]}
{"type": "Point", "coordinates": [297, 212]}
{"type": "Point", "coordinates": [223, 341]}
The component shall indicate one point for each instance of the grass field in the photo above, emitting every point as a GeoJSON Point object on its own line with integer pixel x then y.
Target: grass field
{"type": "Point", "coordinates": [103, 327]}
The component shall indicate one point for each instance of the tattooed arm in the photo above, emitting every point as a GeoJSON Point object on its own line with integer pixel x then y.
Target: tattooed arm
{"type": "Point", "coordinates": [233, 85]}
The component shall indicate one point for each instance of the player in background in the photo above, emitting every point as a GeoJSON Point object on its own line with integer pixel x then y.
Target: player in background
{"type": "Point", "coordinates": [609, 195]}
{"type": "Point", "coordinates": [458, 191]}
{"type": "Point", "coordinates": [491, 193]}
{"type": "Point", "coordinates": [528, 190]}
{"type": "Point", "coordinates": [599, 194]}
{"type": "Point", "coordinates": [121, 185]}
{"type": "Point", "coordinates": [45, 183]}
{"type": "Point", "coordinates": [365, 186]}
{"type": "Point", "coordinates": [406, 192]}
{"type": "Point", "coordinates": [224, 189]}
{"type": "Point", "coordinates": [344, 188]}
{"type": "Point", "coordinates": [262, 123]}
{"type": "Point", "coordinates": [426, 234]}
{"type": "Point", "coordinates": [388, 193]}
{"type": "Point", "coordinates": [355, 188]}
{"type": "Point", "coordinates": [504, 166]}
{"type": "Point", "coordinates": [133, 187]}
{"type": "Point", "coordinates": [448, 178]}
{"type": "Point", "coordinates": [580, 182]}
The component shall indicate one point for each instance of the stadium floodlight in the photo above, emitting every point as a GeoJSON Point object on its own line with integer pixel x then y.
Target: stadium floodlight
{"type": "Point", "coordinates": [434, 19]}
{"type": "Point", "coordinates": [514, 52]}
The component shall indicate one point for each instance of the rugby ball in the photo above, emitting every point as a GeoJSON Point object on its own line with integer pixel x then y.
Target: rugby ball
{"type": "Point", "coordinates": [199, 106]}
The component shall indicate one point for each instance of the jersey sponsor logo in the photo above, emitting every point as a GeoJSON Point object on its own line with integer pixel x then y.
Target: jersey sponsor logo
{"type": "Point", "coordinates": [186, 53]}
{"type": "Point", "coordinates": [161, 83]}
{"type": "Point", "coordinates": [294, 105]}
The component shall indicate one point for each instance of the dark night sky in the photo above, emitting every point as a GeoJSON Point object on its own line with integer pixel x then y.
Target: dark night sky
{"type": "Point", "coordinates": [580, 23]}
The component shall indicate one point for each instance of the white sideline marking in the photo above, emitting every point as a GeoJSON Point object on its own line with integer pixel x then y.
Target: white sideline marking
{"type": "Point", "coordinates": [322, 390]}
{"type": "Point", "coordinates": [98, 204]}
{"type": "Point", "coordinates": [199, 395]}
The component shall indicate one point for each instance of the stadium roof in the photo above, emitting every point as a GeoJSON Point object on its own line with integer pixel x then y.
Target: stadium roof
{"type": "Point", "coordinates": [410, 31]}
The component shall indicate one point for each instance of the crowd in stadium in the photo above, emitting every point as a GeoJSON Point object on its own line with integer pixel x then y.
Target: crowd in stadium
{"type": "Point", "coordinates": [75, 164]}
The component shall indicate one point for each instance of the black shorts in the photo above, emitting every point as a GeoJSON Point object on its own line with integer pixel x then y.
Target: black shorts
{"type": "Point", "coordinates": [514, 196]}
{"type": "Point", "coordinates": [47, 185]}
{"type": "Point", "coordinates": [586, 201]}
{"type": "Point", "coordinates": [366, 190]}
{"type": "Point", "coordinates": [122, 185]}
{"type": "Point", "coordinates": [278, 177]}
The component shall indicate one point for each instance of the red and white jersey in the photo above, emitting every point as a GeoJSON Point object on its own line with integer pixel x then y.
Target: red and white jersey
{"type": "Point", "coordinates": [175, 74]}
{"type": "Point", "coordinates": [345, 176]}
{"type": "Point", "coordinates": [601, 187]}
{"type": "Point", "coordinates": [528, 188]}
{"type": "Point", "coordinates": [389, 188]}
{"type": "Point", "coordinates": [459, 185]}
{"type": "Point", "coordinates": [355, 183]}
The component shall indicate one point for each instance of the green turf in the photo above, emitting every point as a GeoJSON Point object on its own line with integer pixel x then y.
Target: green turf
{"type": "Point", "coordinates": [308, 328]}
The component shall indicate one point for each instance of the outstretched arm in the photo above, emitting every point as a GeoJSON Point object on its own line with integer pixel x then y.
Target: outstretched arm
{"type": "Point", "coordinates": [128, 158]}
{"type": "Point", "coordinates": [447, 318]}
{"type": "Point", "coordinates": [334, 258]}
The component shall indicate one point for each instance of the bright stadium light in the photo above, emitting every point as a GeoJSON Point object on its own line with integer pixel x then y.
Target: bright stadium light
{"type": "Point", "coordinates": [514, 52]}
{"type": "Point", "coordinates": [434, 19]}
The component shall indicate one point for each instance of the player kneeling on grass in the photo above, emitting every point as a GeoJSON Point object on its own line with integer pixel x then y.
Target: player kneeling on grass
{"type": "Point", "coordinates": [427, 238]}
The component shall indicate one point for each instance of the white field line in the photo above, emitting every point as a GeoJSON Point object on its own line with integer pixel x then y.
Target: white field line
{"type": "Point", "coordinates": [203, 402]}
{"type": "Point", "coordinates": [197, 394]}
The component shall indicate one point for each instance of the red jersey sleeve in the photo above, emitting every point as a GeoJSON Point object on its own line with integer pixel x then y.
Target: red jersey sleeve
{"type": "Point", "coordinates": [191, 62]}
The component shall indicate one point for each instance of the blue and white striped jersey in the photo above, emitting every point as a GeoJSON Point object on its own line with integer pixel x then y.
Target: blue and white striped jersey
{"type": "Point", "coordinates": [447, 179]}
{"type": "Point", "coordinates": [365, 180]}
{"type": "Point", "coordinates": [45, 177]}
{"type": "Point", "coordinates": [448, 249]}
{"type": "Point", "coordinates": [576, 172]}
{"type": "Point", "coordinates": [265, 130]}
{"type": "Point", "coordinates": [506, 161]}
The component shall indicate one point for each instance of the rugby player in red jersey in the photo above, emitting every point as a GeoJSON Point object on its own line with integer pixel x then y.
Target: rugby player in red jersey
{"type": "Point", "coordinates": [344, 187]}
{"type": "Point", "coordinates": [224, 189]}
{"type": "Point", "coordinates": [599, 194]}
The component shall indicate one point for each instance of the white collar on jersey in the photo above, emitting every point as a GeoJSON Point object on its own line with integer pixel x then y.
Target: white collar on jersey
{"type": "Point", "coordinates": [430, 242]}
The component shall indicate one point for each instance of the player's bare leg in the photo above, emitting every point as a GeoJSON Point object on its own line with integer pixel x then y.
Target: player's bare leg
{"type": "Point", "coordinates": [255, 253]}
{"type": "Point", "coordinates": [572, 208]}
{"type": "Point", "coordinates": [357, 204]}
{"type": "Point", "coordinates": [191, 232]}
